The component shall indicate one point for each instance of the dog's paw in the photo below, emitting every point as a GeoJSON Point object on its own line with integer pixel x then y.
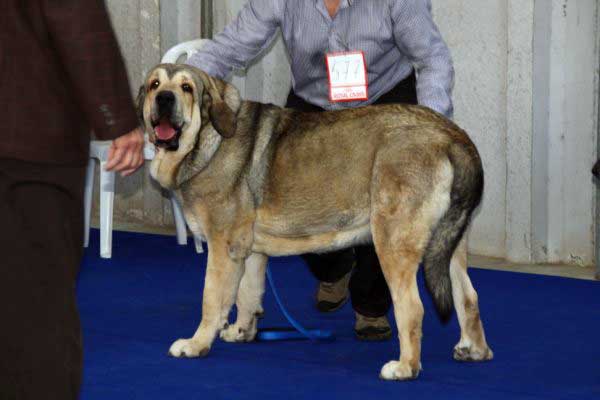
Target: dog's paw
{"type": "Point", "coordinates": [471, 354]}
{"type": "Point", "coordinates": [188, 348]}
{"type": "Point", "coordinates": [236, 334]}
{"type": "Point", "coordinates": [398, 371]}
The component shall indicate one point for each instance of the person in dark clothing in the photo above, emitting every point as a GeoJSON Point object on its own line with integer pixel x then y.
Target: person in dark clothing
{"type": "Point", "coordinates": [61, 76]}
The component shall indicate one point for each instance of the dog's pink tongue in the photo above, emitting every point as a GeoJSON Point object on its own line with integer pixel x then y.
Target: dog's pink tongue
{"type": "Point", "coordinates": [164, 130]}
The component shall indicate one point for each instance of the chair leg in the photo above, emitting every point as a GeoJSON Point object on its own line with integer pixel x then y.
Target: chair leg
{"type": "Point", "coordinates": [179, 221]}
{"type": "Point", "coordinates": [198, 244]}
{"type": "Point", "coordinates": [107, 196]}
{"type": "Point", "coordinates": [87, 200]}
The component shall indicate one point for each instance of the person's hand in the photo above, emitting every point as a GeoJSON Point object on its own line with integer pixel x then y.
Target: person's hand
{"type": "Point", "coordinates": [126, 154]}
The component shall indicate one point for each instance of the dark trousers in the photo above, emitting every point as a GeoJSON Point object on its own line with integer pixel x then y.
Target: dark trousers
{"type": "Point", "coordinates": [368, 289]}
{"type": "Point", "coordinates": [41, 211]}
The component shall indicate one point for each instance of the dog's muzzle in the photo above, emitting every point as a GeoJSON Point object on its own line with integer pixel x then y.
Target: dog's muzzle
{"type": "Point", "coordinates": [167, 131]}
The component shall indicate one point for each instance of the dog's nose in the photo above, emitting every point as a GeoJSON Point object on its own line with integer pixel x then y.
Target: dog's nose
{"type": "Point", "coordinates": [165, 100]}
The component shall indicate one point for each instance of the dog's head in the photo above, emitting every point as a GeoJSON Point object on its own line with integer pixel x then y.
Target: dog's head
{"type": "Point", "coordinates": [173, 94]}
{"type": "Point", "coordinates": [175, 105]}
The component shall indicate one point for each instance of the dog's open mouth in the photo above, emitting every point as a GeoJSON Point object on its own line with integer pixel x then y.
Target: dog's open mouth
{"type": "Point", "coordinates": [167, 134]}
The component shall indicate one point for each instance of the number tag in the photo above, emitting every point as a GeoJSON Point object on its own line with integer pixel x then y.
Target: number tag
{"type": "Point", "coordinates": [347, 76]}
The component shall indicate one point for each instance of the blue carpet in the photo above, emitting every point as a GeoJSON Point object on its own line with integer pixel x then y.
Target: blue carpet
{"type": "Point", "coordinates": [545, 333]}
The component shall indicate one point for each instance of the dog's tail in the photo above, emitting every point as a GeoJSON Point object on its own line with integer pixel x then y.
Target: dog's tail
{"type": "Point", "coordinates": [465, 195]}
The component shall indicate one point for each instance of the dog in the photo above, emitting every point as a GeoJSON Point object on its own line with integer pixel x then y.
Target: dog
{"type": "Point", "coordinates": [257, 180]}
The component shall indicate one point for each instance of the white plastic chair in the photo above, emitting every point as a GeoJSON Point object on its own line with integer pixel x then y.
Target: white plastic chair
{"type": "Point", "coordinates": [186, 49]}
{"type": "Point", "coordinates": [99, 151]}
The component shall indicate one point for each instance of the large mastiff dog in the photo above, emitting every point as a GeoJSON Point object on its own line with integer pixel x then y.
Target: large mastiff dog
{"type": "Point", "coordinates": [258, 180]}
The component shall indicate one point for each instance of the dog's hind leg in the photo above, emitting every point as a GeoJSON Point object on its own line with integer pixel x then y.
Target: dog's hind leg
{"type": "Point", "coordinates": [249, 301]}
{"type": "Point", "coordinates": [400, 234]}
{"type": "Point", "coordinates": [408, 201]}
{"type": "Point", "coordinates": [223, 275]}
{"type": "Point", "coordinates": [472, 345]}
{"type": "Point", "coordinates": [399, 253]}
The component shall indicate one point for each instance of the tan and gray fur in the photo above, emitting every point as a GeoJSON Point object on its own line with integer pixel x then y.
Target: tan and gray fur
{"type": "Point", "coordinates": [257, 180]}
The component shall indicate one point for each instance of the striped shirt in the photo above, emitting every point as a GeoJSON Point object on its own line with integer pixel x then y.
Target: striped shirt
{"type": "Point", "coordinates": [396, 37]}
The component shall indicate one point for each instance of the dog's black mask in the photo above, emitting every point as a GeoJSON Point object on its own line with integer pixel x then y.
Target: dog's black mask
{"type": "Point", "coordinates": [166, 129]}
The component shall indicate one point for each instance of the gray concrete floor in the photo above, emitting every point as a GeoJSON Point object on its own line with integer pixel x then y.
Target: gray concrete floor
{"type": "Point", "coordinates": [567, 271]}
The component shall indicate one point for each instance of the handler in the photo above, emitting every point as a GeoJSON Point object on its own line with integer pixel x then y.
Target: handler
{"type": "Point", "coordinates": [345, 54]}
{"type": "Point", "coordinates": [61, 75]}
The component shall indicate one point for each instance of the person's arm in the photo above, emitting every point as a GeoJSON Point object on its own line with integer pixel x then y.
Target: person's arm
{"type": "Point", "coordinates": [82, 36]}
{"type": "Point", "coordinates": [418, 38]}
{"type": "Point", "coordinates": [242, 39]}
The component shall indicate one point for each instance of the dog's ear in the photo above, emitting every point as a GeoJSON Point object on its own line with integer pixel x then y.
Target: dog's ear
{"type": "Point", "coordinates": [222, 117]}
{"type": "Point", "coordinates": [596, 169]}
{"type": "Point", "coordinates": [139, 105]}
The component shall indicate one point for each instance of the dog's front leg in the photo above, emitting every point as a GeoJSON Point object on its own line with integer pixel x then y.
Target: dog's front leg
{"type": "Point", "coordinates": [249, 301]}
{"type": "Point", "coordinates": [223, 274]}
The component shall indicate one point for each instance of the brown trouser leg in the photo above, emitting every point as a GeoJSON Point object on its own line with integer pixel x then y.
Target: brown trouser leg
{"type": "Point", "coordinates": [41, 212]}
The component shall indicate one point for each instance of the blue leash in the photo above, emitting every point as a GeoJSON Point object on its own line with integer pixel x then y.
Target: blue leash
{"type": "Point", "coordinates": [288, 334]}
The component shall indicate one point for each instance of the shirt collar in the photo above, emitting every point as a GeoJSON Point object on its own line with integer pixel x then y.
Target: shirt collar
{"type": "Point", "coordinates": [343, 4]}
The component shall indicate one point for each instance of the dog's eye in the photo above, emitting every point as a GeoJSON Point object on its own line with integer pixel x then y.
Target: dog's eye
{"type": "Point", "coordinates": [155, 83]}
{"type": "Point", "coordinates": [186, 88]}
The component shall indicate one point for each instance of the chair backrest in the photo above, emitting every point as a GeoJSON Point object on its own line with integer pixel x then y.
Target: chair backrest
{"type": "Point", "coordinates": [186, 49]}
